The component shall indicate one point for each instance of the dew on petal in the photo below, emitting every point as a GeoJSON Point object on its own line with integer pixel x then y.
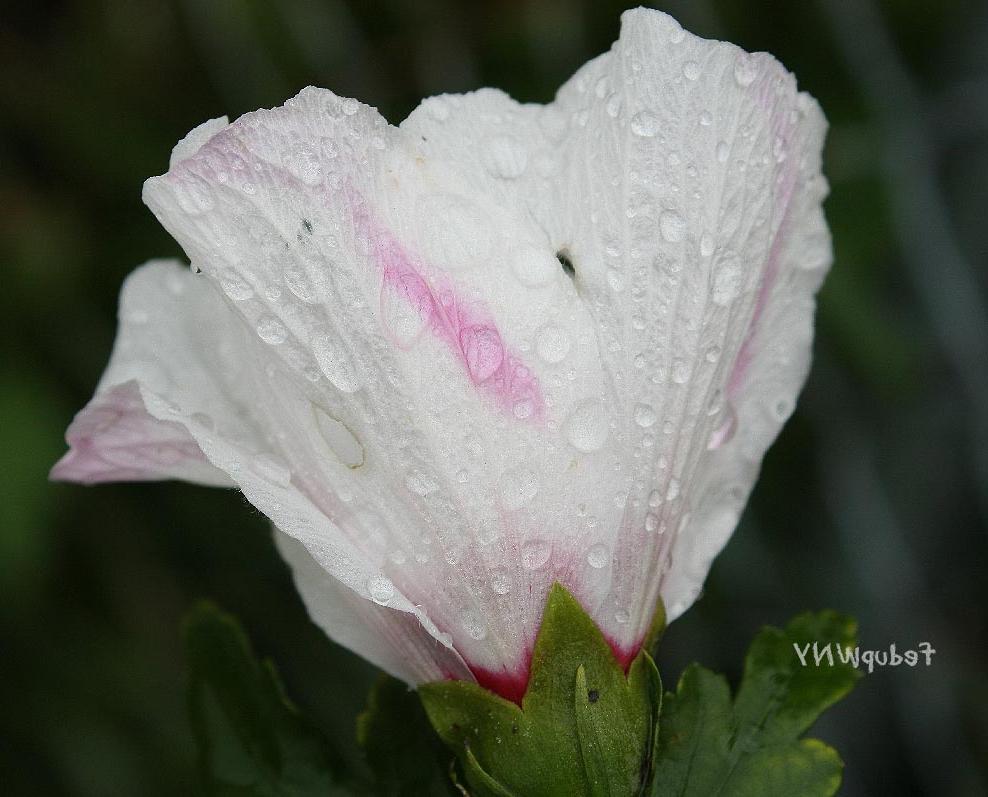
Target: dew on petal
{"type": "Point", "coordinates": [672, 226]}
{"type": "Point", "coordinates": [645, 124]}
{"type": "Point", "coordinates": [271, 330]}
{"type": "Point", "coordinates": [691, 70]}
{"type": "Point", "coordinates": [235, 287]}
{"type": "Point", "coordinates": [552, 344]}
{"type": "Point", "coordinates": [483, 351]}
{"type": "Point", "coordinates": [380, 589]}
{"type": "Point", "coordinates": [745, 69]}
{"type": "Point", "coordinates": [517, 487]}
{"type": "Point", "coordinates": [335, 364]}
{"type": "Point", "coordinates": [500, 583]}
{"type": "Point", "coordinates": [598, 556]}
{"type": "Point", "coordinates": [339, 438]}
{"type": "Point", "coordinates": [586, 427]}
{"type": "Point", "coordinates": [645, 415]}
{"type": "Point", "coordinates": [535, 554]}
{"type": "Point", "coordinates": [728, 276]}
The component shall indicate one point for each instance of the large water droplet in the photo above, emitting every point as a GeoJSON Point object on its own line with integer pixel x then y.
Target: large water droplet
{"type": "Point", "coordinates": [339, 438]}
{"type": "Point", "coordinates": [335, 364]}
{"type": "Point", "coordinates": [517, 486]}
{"type": "Point", "coordinates": [586, 427]}
{"type": "Point", "coordinates": [535, 554]}
{"type": "Point", "coordinates": [271, 330]}
{"type": "Point", "coordinates": [483, 351]}
{"type": "Point", "coordinates": [672, 226]}
{"type": "Point", "coordinates": [380, 589]}
{"type": "Point", "coordinates": [235, 287]}
{"type": "Point", "coordinates": [644, 123]}
{"type": "Point", "coordinates": [691, 70]}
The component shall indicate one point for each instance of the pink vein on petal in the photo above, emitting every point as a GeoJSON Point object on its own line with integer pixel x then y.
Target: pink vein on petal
{"type": "Point", "coordinates": [467, 328]}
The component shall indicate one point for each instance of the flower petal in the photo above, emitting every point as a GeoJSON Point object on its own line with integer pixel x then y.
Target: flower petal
{"type": "Point", "coordinates": [189, 394]}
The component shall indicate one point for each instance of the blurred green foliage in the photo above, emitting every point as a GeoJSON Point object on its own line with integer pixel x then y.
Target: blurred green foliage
{"type": "Point", "coordinates": [873, 501]}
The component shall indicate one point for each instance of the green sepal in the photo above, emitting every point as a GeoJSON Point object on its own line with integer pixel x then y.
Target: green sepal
{"type": "Point", "coordinates": [711, 744]}
{"type": "Point", "coordinates": [584, 728]}
{"type": "Point", "coordinates": [403, 753]}
{"type": "Point", "coordinates": [252, 742]}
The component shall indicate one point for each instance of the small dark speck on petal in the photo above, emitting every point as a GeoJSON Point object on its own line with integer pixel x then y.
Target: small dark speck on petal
{"type": "Point", "coordinates": [593, 695]}
{"type": "Point", "coordinates": [307, 224]}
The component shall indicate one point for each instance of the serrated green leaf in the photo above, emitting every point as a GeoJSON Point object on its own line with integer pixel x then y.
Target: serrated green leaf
{"type": "Point", "coordinates": [405, 756]}
{"type": "Point", "coordinates": [710, 744]}
{"type": "Point", "coordinates": [252, 741]}
{"type": "Point", "coordinates": [583, 726]}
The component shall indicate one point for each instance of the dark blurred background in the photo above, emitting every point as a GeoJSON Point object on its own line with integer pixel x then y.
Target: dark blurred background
{"type": "Point", "coordinates": [874, 501]}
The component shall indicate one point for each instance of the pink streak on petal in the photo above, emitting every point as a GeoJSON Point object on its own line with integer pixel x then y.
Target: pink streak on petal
{"type": "Point", "coordinates": [114, 439]}
{"type": "Point", "coordinates": [783, 130]}
{"type": "Point", "coordinates": [467, 328]}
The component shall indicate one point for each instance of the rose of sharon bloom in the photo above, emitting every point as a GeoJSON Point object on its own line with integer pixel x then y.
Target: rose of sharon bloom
{"type": "Point", "coordinates": [378, 345]}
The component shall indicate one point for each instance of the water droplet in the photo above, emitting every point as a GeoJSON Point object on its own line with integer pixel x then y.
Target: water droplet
{"type": "Point", "coordinates": [745, 69]}
{"type": "Point", "coordinates": [691, 70]}
{"type": "Point", "coordinates": [271, 330]}
{"type": "Point", "coordinates": [552, 344]}
{"type": "Point", "coordinates": [706, 245]}
{"type": "Point", "coordinates": [420, 483]}
{"type": "Point", "coordinates": [506, 157]}
{"type": "Point", "coordinates": [406, 308]}
{"type": "Point", "coordinates": [349, 106]}
{"type": "Point", "coordinates": [621, 616]}
{"type": "Point", "coordinates": [722, 151]}
{"type": "Point", "coordinates": [644, 123]}
{"type": "Point", "coordinates": [613, 106]}
{"type": "Point", "coordinates": [534, 266]}
{"type": "Point", "coordinates": [651, 521]}
{"type": "Point", "coordinates": [645, 415]}
{"type": "Point", "coordinates": [335, 364]}
{"type": "Point", "coordinates": [381, 590]}
{"type": "Point", "coordinates": [706, 119]}
{"type": "Point", "coordinates": [680, 371]}
{"type": "Point", "coordinates": [339, 438]}
{"type": "Point", "coordinates": [586, 427]}
{"type": "Point", "coordinates": [235, 287]}
{"type": "Point", "coordinates": [712, 354]}
{"type": "Point", "coordinates": [523, 408]}
{"type": "Point", "coordinates": [500, 583]}
{"type": "Point", "coordinates": [728, 277]}
{"type": "Point", "coordinates": [672, 226]}
{"type": "Point", "coordinates": [517, 486]}
{"type": "Point", "coordinates": [535, 554]}
{"type": "Point", "coordinates": [654, 498]}
{"type": "Point", "coordinates": [483, 351]}
{"type": "Point", "coordinates": [598, 556]}
{"type": "Point", "coordinates": [672, 493]}
{"type": "Point", "coordinates": [474, 626]}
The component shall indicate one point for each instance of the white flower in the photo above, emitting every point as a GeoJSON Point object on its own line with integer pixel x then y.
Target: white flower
{"type": "Point", "coordinates": [384, 353]}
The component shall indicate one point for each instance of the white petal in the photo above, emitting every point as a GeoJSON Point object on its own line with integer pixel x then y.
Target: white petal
{"type": "Point", "coordinates": [428, 398]}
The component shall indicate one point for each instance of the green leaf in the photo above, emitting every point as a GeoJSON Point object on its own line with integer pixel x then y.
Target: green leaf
{"type": "Point", "coordinates": [710, 744]}
{"type": "Point", "coordinates": [403, 752]}
{"type": "Point", "coordinates": [583, 726]}
{"type": "Point", "coordinates": [252, 741]}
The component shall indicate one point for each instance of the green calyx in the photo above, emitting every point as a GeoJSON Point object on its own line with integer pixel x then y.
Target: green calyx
{"type": "Point", "coordinates": [584, 727]}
